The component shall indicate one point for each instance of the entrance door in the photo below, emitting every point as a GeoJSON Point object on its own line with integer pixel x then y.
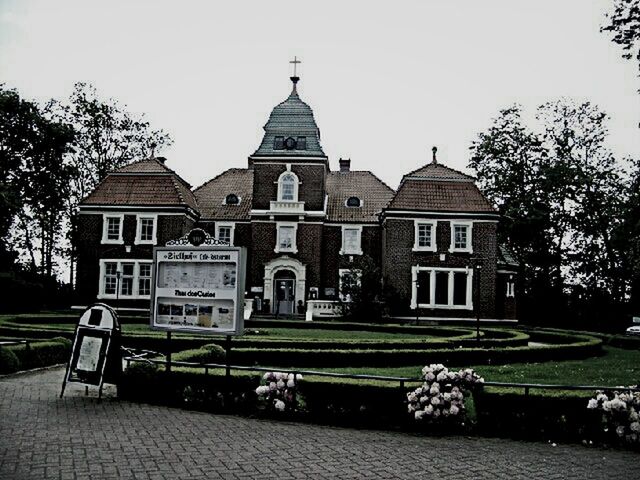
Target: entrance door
{"type": "Point", "coordinates": [284, 300]}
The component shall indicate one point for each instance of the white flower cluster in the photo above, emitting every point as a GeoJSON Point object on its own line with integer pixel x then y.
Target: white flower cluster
{"type": "Point", "coordinates": [442, 394]}
{"type": "Point", "coordinates": [279, 389]}
{"type": "Point", "coordinates": [621, 413]}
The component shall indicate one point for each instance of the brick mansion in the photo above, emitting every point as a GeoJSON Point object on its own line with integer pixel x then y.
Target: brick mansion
{"type": "Point", "coordinates": [305, 227]}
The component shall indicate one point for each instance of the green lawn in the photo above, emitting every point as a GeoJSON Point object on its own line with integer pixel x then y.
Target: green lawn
{"type": "Point", "coordinates": [616, 367]}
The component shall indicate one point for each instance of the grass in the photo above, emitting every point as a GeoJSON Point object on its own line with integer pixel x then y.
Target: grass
{"type": "Point", "coordinates": [616, 367]}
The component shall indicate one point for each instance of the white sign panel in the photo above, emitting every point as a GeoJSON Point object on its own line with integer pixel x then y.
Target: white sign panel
{"type": "Point", "coordinates": [198, 289]}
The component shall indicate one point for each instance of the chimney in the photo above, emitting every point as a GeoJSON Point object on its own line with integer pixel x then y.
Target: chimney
{"type": "Point", "coordinates": [345, 165]}
{"type": "Point", "coordinates": [435, 159]}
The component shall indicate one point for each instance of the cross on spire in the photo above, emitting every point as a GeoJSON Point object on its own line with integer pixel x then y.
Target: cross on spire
{"type": "Point", "coordinates": [295, 62]}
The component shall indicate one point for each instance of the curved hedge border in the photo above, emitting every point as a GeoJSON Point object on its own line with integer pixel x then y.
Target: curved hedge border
{"type": "Point", "coordinates": [34, 355]}
{"type": "Point", "coordinates": [567, 347]}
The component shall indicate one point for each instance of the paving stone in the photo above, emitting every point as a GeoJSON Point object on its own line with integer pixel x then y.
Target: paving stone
{"type": "Point", "coordinates": [77, 437]}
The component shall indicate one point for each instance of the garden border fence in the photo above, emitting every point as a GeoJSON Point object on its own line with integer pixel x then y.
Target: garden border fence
{"type": "Point", "coordinates": [402, 381]}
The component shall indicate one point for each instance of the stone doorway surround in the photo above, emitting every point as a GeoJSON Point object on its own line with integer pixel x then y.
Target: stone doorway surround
{"type": "Point", "coordinates": [285, 263]}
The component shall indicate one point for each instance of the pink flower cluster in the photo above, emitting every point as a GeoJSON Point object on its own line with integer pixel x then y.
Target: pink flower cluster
{"type": "Point", "coordinates": [620, 413]}
{"type": "Point", "coordinates": [441, 396]}
{"type": "Point", "coordinates": [279, 390]}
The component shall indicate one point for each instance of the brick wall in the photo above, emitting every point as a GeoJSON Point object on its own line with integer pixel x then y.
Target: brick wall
{"type": "Point", "coordinates": [399, 257]}
{"type": "Point", "coordinates": [90, 250]}
{"type": "Point", "coordinates": [311, 189]}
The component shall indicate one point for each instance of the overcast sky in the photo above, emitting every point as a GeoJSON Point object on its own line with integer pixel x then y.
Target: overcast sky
{"type": "Point", "coordinates": [386, 80]}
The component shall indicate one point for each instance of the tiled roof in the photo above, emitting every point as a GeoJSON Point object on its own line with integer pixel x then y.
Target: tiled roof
{"type": "Point", "coordinates": [373, 193]}
{"type": "Point", "coordinates": [147, 165]}
{"type": "Point", "coordinates": [438, 171]}
{"type": "Point", "coordinates": [211, 195]}
{"type": "Point", "coordinates": [147, 182]}
{"type": "Point", "coordinates": [440, 196]}
{"type": "Point", "coordinates": [142, 190]}
{"type": "Point", "coordinates": [291, 118]}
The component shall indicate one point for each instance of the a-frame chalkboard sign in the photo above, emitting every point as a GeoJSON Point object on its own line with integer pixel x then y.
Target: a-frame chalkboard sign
{"type": "Point", "coordinates": [96, 348]}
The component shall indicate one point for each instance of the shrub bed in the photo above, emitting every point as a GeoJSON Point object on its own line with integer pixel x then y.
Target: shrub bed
{"type": "Point", "coordinates": [34, 355]}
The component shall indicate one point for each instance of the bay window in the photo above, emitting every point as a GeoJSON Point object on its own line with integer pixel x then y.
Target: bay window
{"type": "Point", "coordinates": [447, 288]}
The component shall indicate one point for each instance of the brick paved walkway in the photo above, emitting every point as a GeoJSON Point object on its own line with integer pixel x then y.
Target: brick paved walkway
{"type": "Point", "coordinates": [42, 436]}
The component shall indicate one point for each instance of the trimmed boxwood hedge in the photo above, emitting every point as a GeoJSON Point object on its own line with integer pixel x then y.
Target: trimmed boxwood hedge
{"type": "Point", "coordinates": [34, 355]}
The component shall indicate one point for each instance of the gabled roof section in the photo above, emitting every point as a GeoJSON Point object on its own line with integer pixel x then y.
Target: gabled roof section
{"type": "Point", "coordinates": [437, 171]}
{"type": "Point", "coordinates": [143, 183]}
{"type": "Point", "coordinates": [373, 193]}
{"type": "Point", "coordinates": [291, 118]}
{"type": "Point", "coordinates": [440, 196]}
{"type": "Point", "coordinates": [212, 195]}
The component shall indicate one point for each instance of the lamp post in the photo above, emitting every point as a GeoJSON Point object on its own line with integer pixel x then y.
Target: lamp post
{"type": "Point", "coordinates": [477, 267]}
{"type": "Point", "coordinates": [417, 286]}
{"type": "Point", "coordinates": [118, 275]}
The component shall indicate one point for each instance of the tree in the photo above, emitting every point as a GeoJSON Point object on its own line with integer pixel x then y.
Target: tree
{"type": "Point", "coordinates": [361, 291]}
{"type": "Point", "coordinates": [35, 178]}
{"type": "Point", "coordinates": [107, 137]}
{"type": "Point", "coordinates": [624, 24]}
{"type": "Point", "coordinates": [562, 194]}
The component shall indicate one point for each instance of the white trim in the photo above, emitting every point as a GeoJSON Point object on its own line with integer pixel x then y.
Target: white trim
{"type": "Point", "coordinates": [294, 249]}
{"type": "Point", "coordinates": [136, 278]}
{"type": "Point", "coordinates": [285, 263]}
{"type": "Point", "coordinates": [419, 213]}
{"type": "Point", "coordinates": [138, 240]}
{"type": "Point", "coordinates": [132, 210]}
{"type": "Point", "coordinates": [358, 251]}
{"type": "Point", "coordinates": [432, 285]}
{"type": "Point", "coordinates": [105, 225]}
{"type": "Point", "coordinates": [296, 183]}
{"type": "Point", "coordinates": [434, 242]}
{"type": "Point", "coordinates": [226, 224]}
{"type": "Point", "coordinates": [469, 247]}
{"type": "Point", "coordinates": [308, 213]}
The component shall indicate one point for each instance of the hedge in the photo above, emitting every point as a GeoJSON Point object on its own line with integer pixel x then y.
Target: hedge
{"type": "Point", "coordinates": [34, 355]}
{"type": "Point", "coordinates": [583, 346]}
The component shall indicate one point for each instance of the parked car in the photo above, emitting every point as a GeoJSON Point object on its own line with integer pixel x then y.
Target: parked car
{"type": "Point", "coordinates": [635, 330]}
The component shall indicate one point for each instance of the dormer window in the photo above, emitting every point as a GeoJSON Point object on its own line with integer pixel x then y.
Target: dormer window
{"type": "Point", "coordinates": [278, 143]}
{"type": "Point", "coordinates": [290, 143]}
{"type": "Point", "coordinates": [288, 187]}
{"type": "Point", "coordinates": [353, 202]}
{"type": "Point", "coordinates": [232, 199]}
{"type": "Point", "coordinates": [302, 143]}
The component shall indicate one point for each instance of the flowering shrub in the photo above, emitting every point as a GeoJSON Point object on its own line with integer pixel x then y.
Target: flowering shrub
{"type": "Point", "coordinates": [620, 413]}
{"type": "Point", "coordinates": [279, 390]}
{"type": "Point", "coordinates": [441, 398]}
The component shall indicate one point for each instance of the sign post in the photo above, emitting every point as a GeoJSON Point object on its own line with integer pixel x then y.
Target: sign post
{"type": "Point", "coordinates": [198, 286]}
{"type": "Point", "coordinates": [96, 336]}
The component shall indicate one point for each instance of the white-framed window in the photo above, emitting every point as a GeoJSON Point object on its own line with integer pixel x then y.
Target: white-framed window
{"type": "Point", "coordinates": [288, 187]}
{"type": "Point", "coordinates": [286, 237]}
{"type": "Point", "coordinates": [511, 287]}
{"type": "Point", "coordinates": [112, 228]}
{"type": "Point", "coordinates": [424, 236]}
{"type": "Point", "coordinates": [461, 237]}
{"type": "Point", "coordinates": [348, 279]}
{"type": "Point", "coordinates": [146, 229]}
{"type": "Point", "coordinates": [351, 240]}
{"type": "Point", "coordinates": [447, 288]}
{"type": "Point", "coordinates": [127, 279]}
{"type": "Point", "coordinates": [225, 232]}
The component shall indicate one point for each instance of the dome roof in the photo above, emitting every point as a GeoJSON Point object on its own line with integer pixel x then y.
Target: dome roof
{"type": "Point", "coordinates": [291, 119]}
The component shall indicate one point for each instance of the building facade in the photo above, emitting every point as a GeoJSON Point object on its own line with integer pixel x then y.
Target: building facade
{"type": "Point", "coordinates": [305, 228]}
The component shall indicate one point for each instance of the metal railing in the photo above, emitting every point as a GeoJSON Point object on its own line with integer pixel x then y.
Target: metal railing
{"type": "Point", "coordinates": [402, 381]}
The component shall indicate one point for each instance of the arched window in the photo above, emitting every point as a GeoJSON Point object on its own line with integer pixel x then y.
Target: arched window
{"type": "Point", "coordinates": [353, 202]}
{"type": "Point", "coordinates": [288, 187]}
{"type": "Point", "coordinates": [232, 199]}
